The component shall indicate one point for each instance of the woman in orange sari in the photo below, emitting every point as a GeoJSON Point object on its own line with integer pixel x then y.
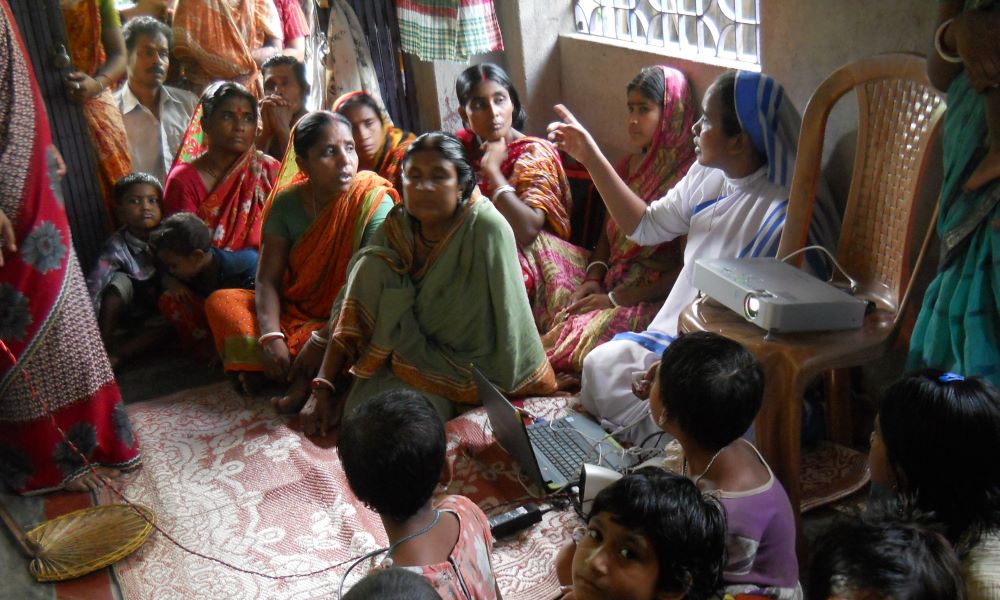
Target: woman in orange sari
{"type": "Point", "coordinates": [380, 145]}
{"type": "Point", "coordinates": [97, 52]}
{"type": "Point", "coordinates": [217, 40]}
{"type": "Point", "coordinates": [524, 177]}
{"type": "Point", "coordinates": [626, 283]}
{"type": "Point", "coordinates": [313, 226]}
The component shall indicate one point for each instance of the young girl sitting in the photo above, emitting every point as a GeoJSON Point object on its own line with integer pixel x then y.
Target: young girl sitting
{"type": "Point", "coordinates": [651, 534]}
{"type": "Point", "coordinates": [705, 393]}
{"type": "Point", "coordinates": [936, 443]}
{"type": "Point", "coordinates": [393, 452]}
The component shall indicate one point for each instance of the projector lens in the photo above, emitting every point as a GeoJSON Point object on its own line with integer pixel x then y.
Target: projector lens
{"type": "Point", "coordinates": [751, 306]}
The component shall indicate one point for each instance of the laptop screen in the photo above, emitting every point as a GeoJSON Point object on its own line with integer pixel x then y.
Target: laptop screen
{"type": "Point", "coordinates": [508, 428]}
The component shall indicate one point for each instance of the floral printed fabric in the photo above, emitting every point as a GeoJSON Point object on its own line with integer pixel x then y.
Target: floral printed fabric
{"type": "Point", "coordinates": [45, 319]}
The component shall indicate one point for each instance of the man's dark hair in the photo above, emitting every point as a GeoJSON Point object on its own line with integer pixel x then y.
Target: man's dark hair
{"type": "Point", "coordinates": [144, 26]}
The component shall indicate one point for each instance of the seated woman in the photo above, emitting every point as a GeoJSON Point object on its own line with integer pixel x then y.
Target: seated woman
{"type": "Point", "coordinates": [220, 40]}
{"type": "Point", "coordinates": [312, 227]}
{"type": "Point", "coordinates": [932, 435]}
{"type": "Point", "coordinates": [219, 174]}
{"type": "Point", "coordinates": [626, 283]}
{"type": "Point", "coordinates": [380, 145]}
{"type": "Point", "coordinates": [524, 177]}
{"type": "Point", "coordinates": [731, 203]}
{"type": "Point", "coordinates": [437, 289]}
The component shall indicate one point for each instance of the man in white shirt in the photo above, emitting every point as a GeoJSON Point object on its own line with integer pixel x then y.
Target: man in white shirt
{"type": "Point", "coordinates": [155, 115]}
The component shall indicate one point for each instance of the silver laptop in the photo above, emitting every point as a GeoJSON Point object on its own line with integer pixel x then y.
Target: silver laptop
{"type": "Point", "coordinates": [550, 453]}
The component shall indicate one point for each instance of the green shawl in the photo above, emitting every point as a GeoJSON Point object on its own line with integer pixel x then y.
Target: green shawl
{"type": "Point", "coordinates": [423, 328]}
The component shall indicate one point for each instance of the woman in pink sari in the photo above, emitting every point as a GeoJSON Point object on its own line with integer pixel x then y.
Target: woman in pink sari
{"type": "Point", "coordinates": [626, 283]}
{"type": "Point", "coordinates": [523, 176]}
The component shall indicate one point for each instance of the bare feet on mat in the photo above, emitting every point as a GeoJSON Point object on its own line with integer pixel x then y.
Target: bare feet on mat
{"type": "Point", "coordinates": [567, 381]}
{"type": "Point", "coordinates": [294, 398]}
{"type": "Point", "coordinates": [987, 170]}
{"type": "Point", "coordinates": [89, 482]}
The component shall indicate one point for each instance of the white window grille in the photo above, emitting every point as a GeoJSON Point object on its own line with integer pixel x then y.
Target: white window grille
{"type": "Point", "coordinates": [726, 30]}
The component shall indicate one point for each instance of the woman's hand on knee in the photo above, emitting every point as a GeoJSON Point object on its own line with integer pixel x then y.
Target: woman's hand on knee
{"type": "Point", "coordinates": [277, 359]}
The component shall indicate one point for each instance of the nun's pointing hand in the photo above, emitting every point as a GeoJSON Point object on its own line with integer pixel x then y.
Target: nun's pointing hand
{"type": "Point", "coordinates": [570, 136]}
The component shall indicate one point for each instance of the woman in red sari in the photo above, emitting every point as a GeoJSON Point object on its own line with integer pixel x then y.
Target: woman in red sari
{"type": "Point", "coordinates": [46, 320]}
{"type": "Point", "coordinates": [219, 174]}
{"type": "Point", "coordinates": [97, 51]}
{"type": "Point", "coordinates": [524, 177]}
{"type": "Point", "coordinates": [626, 283]}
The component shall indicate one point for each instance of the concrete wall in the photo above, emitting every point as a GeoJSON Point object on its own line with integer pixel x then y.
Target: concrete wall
{"type": "Point", "coordinates": [802, 42]}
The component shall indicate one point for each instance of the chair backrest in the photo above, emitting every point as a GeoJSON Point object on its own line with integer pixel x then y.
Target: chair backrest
{"type": "Point", "coordinates": [899, 115]}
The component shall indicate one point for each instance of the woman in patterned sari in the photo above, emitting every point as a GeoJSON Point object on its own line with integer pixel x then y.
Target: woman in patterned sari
{"type": "Point", "coordinates": [219, 174]}
{"type": "Point", "coordinates": [217, 154]}
{"type": "Point", "coordinates": [321, 213]}
{"type": "Point", "coordinates": [626, 283]}
{"type": "Point", "coordinates": [437, 290]}
{"type": "Point", "coordinates": [958, 328]}
{"type": "Point", "coordinates": [524, 177]}
{"type": "Point", "coordinates": [225, 40]}
{"type": "Point", "coordinates": [45, 320]}
{"type": "Point", "coordinates": [97, 51]}
{"type": "Point", "coordinates": [380, 145]}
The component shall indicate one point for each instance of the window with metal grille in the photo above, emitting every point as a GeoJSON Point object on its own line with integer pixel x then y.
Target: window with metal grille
{"type": "Point", "coordinates": [717, 31]}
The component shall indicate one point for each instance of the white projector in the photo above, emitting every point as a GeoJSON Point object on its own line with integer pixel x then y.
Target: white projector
{"type": "Point", "coordinates": [776, 296]}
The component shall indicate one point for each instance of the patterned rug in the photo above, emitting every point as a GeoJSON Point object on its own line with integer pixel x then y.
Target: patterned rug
{"type": "Point", "coordinates": [831, 473]}
{"type": "Point", "coordinates": [229, 478]}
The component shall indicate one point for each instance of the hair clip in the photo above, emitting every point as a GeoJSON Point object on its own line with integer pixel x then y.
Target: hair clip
{"type": "Point", "coordinates": [949, 377]}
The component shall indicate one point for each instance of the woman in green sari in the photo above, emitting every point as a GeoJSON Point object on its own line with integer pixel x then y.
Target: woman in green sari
{"type": "Point", "coordinates": [958, 328]}
{"type": "Point", "coordinates": [437, 289]}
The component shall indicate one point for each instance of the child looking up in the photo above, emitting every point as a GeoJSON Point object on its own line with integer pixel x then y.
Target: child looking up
{"type": "Point", "coordinates": [650, 535]}
{"type": "Point", "coordinates": [393, 451]}
{"type": "Point", "coordinates": [705, 393]}
{"type": "Point", "coordinates": [124, 282]}
{"type": "Point", "coordinates": [195, 269]}
{"type": "Point", "coordinates": [936, 443]}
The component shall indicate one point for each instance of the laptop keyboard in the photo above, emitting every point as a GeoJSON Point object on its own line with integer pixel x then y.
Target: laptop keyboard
{"type": "Point", "coordinates": [558, 445]}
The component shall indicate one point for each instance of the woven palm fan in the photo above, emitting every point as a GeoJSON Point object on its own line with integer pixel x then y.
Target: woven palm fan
{"type": "Point", "coordinates": [82, 541]}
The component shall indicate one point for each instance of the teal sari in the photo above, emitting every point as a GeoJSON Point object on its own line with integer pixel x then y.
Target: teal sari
{"type": "Point", "coordinates": [958, 328]}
